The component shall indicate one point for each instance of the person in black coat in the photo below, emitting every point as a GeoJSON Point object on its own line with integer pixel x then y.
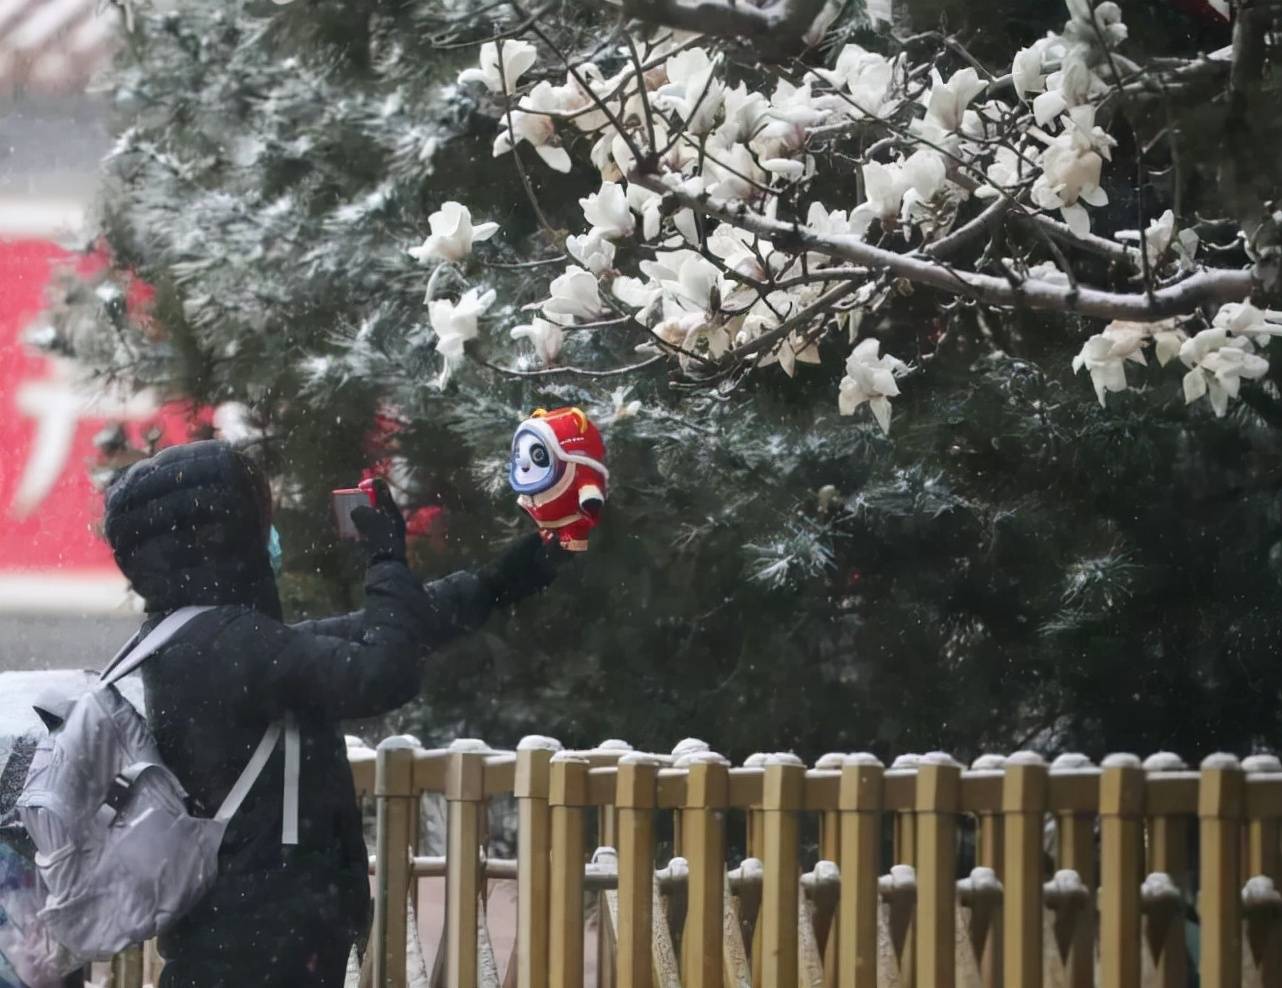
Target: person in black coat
{"type": "Point", "coordinates": [190, 526]}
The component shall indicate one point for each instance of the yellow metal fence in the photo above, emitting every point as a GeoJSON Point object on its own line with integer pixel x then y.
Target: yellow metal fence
{"type": "Point", "coordinates": [848, 874]}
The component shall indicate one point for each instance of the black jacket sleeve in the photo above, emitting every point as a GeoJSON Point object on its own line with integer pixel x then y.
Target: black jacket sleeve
{"type": "Point", "coordinates": [454, 605]}
{"type": "Point", "coordinates": [340, 677]}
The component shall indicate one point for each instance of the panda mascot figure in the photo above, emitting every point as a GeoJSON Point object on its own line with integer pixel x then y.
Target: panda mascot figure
{"type": "Point", "coordinates": [558, 472]}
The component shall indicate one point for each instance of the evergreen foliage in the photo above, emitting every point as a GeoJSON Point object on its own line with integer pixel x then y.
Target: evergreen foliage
{"type": "Point", "coordinates": [1015, 566]}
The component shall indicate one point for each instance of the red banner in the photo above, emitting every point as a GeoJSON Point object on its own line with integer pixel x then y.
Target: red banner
{"type": "Point", "coordinates": [51, 556]}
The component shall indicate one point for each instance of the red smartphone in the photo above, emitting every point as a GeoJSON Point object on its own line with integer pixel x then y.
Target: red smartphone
{"type": "Point", "coordinates": [345, 500]}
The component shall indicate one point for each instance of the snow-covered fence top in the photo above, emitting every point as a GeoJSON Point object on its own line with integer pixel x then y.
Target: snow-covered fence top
{"type": "Point", "coordinates": [1057, 873]}
{"type": "Point", "coordinates": [1014, 871]}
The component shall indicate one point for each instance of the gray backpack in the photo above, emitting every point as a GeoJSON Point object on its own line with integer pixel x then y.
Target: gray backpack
{"type": "Point", "coordinates": [120, 856]}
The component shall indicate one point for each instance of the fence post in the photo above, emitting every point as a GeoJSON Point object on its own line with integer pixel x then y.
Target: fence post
{"type": "Point", "coordinates": [394, 796]}
{"type": "Point", "coordinates": [1024, 792]}
{"type": "Point", "coordinates": [830, 850]}
{"type": "Point", "coordinates": [1121, 808]}
{"type": "Point", "coordinates": [756, 839]}
{"type": "Point", "coordinates": [533, 779]}
{"type": "Point", "coordinates": [905, 833]}
{"type": "Point", "coordinates": [1265, 926]}
{"type": "Point", "coordinates": [604, 755]}
{"type": "Point", "coordinates": [859, 801]}
{"type": "Point", "coordinates": [782, 798]}
{"type": "Point", "coordinates": [465, 800]}
{"type": "Point", "coordinates": [567, 796]}
{"type": "Point", "coordinates": [682, 752]}
{"type": "Point", "coordinates": [1075, 833]}
{"type": "Point", "coordinates": [990, 854]}
{"type": "Point", "coordinates": [703, 840]}
{"type": "Point", "coordinates": [1221, 804]}
{"type": "Point", "coordinates": [635, 798]}
{"type": "Point", "coordinates": [1168, 855]}
{"type": "Point", "coordinates": [126, 968]}
{"type": "Point", "coordinates": [938, 795]}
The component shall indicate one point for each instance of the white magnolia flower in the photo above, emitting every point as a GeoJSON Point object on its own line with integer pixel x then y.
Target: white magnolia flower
{"type": "Point", "coordinates": [1088, 22]}
{"type": "Point", "coordinates": [1071, 168]}
{"type": "Point", "coordinates": [1244, 319]}
{"type": "Point", "coordinates": [634, 292]}
{"type": "Point", "coordinates": [1073, 84]}
{"type": "Point", "coordinates": [697, 284]}
{"type": "Point", "coordinates": [531, 124]}
{"type": "Point", "coordinates": [1103, 356]}
{"type": "Point", "coordinates": [582, 92]}
{"type": "Point", "coordinates": [742, 252]}
{"type": "Point", "coordinates": [622, 407]}
{"type": "Point", "coordinates": [1161, 236]}
{"type": "Point", "coordinates": [607, 211]}
{"type": "Point", "coordinates": [574, 296]}
{"type": "Point", "coordinates": [1218, 365]}
{"type": "Point", "coordinates": [795, 350]}
{"type": "Point", "coordinates": [517, 58]}
{"type": "Point", "coordinates": [924, 173]}
{"type": "Point", "coordinates": [686, 329]}
{"type": "Point", "coordinates": [1007, 170]}
{"type": "Point", "coordinates": [592, 250]}
{"type": "Point", "coordinates": [545, 336]}
{"type": "Point", "coordinates": [682, 219]}
{"type": "Point", "coordinates": [649, 205]}
{"type": "Point", "coordinates": [452, 234]}
{"type": "Point", "coordinates": [1046, 271]}
{"type": "Point", "coordinates": [792, 112]}
{"type": "Point", "coordinates": [884, 188]}
{"type": "Point", "coordinates": [946, 104]}
{"type": "Point", "coordinates": [694, 91]}
{"type": "Point", "coordinates": [1166, 335]}
{"type": "Point", "coordinates": [1026, 71]}
{"type": "Point", "coordinates": [870, 378]}
{"type": "Point", "coordinates": [825, 222]}
{"type": "Point", "coordinates": [895, 188]}
{"type": "Point", "coordinates": [785, 168]}
{"type": "Point", "coordinates": [1167, 340]}
{"type": "Point", "coordinates": [455, 323]}
{"type": "Point", "coordinates": [866, 76]}
{"type": "Point", "coordinates": [735, 174]}
{"type": "Point", "coordinates": [745, 114]}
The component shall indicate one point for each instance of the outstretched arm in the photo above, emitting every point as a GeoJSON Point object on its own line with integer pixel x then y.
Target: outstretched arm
{"type": "Point", "coordinates": [462, 601]}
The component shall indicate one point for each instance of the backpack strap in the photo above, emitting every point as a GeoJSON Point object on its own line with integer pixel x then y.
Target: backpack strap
{"type": "Point", "coordinates": [132, 656]}
{"type": "Point", "coordinates": [289, 801]}
{"type": "Point", "coordinates": [254, 768]}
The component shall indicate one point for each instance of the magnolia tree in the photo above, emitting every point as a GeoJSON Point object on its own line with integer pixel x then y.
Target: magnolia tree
{"type": "Point", "coordinates": [739, 215]}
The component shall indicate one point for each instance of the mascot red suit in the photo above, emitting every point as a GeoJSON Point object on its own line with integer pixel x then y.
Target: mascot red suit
{"type": "Point", "coordinates": [558, 471]}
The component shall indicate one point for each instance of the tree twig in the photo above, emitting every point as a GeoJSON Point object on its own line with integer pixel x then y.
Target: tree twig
{"type": "Point", "coordinates": [1213, 286]}
{"type": "Point", "coordinates": [578, 371]}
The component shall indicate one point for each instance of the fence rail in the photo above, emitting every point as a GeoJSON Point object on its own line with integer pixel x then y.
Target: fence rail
{"type": "Point", "coordinates": [848, 874]}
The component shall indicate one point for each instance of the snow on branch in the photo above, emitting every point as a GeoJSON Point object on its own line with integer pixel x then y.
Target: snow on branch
{"type": "Point", "coordinates": [781, 23]}
{"type": "Point", "coordinates": [747, 214]}
{"type": "Point", "coordinates": [1199, 288]}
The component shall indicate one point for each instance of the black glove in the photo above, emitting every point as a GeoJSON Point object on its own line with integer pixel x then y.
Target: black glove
{"type": "Point", "coordinates": [382, 527]}
{"type": "Point", "coordinates": [526, 567]}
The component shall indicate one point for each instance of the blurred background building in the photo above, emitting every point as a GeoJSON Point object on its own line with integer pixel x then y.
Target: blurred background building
{"type": "Point", "coordinates": [62, 603]}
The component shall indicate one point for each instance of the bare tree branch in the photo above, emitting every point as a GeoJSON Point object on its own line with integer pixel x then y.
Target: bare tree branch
{"type": "Point", "coordinates": [575, 371]}
{"type": "Point", "coordinates": [963, 235]}
{"type": "Point", "coordinates": [779, 24]}
{"type": "Point", "coordinates": [785, 329]}
{"type": "Point", "coordinates": [1203, 287]}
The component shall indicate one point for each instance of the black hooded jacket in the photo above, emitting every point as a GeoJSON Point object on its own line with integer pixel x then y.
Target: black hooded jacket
{"type": "Point", "coordinates": [190, 526]}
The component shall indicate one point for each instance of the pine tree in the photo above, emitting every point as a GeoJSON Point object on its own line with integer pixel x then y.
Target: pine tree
{"type": "Point", "coordinates": [1015, 565]}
